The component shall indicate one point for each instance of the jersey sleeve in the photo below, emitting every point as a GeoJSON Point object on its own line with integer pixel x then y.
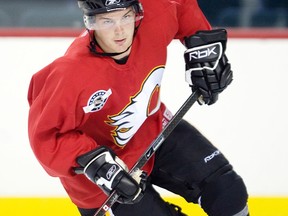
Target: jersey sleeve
{"type": "Point", "coordinates": [190, 19]}
{"type": "Point", "coordinates": [54, 119]}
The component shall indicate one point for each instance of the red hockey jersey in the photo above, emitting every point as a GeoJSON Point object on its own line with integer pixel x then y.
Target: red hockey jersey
{"type": "Point", "coordinates": [81, 101]}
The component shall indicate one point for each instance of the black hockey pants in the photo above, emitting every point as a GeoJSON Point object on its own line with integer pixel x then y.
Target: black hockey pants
{"type": "Point", "coordinates": [185, 164]}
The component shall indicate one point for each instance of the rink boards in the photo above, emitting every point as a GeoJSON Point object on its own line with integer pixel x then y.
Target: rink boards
{"type": "Point", "coordinates": [259, 206]}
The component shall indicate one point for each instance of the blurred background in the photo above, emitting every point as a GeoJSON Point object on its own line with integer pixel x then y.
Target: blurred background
{"type": "Point", "coordinates": [246, 13]}
{"type": "Point", "coordinates": [249, 122]}
{"type": "Point", "coordinates": [65, 13]}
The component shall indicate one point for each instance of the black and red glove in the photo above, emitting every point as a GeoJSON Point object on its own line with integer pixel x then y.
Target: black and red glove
{"type": "Point", "coordinates": [207, 67]}
{"type": "Point", "coordinates": [104, 168]}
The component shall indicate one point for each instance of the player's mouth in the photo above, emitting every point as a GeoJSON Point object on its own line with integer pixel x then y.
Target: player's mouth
{"type": "Point", "coordinates": [120, 42]}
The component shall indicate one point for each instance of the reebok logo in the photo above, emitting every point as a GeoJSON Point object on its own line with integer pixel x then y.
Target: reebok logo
{"type": "Point", "coordinates": [210, 157]}
{"type": "Point", "coordinates": [203, 53]}
{"type": "Point", "coordinates": [111, 172]}
{"type": "Point", "coordinates": [110, 2]}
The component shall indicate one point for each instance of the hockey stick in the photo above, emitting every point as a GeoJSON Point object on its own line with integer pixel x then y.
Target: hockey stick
{"type": "Point", "coordinates": [152, 148]}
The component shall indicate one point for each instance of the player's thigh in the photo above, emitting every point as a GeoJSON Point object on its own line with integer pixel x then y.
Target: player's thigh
{"type": "Point", "coordinates": [185, 160]}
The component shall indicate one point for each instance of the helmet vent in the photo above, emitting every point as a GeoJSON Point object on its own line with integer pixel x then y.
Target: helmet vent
{"type": "Point", "coordinates": [92, 5]}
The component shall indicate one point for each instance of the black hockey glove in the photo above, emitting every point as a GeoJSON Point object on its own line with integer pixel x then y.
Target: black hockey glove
{"type": "Point", "coordinates": [104, 168]}
{"type": "Point", "coordinates": [207, 67]}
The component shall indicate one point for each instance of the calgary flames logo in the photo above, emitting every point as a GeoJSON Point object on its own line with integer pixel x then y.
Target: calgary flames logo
{"type": "Point", "coordinates": [145, 103]}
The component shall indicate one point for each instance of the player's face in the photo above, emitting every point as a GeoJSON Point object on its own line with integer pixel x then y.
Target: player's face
{"type": "Point", "coordinates": [115, 31]}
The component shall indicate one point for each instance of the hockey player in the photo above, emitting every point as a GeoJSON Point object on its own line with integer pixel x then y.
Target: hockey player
{"type": "Point", "coordinates": [97, 108]}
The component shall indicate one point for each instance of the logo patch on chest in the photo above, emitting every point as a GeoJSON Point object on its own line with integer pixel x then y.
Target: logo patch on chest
{"type": "Point", "coordinates": [97, 101]}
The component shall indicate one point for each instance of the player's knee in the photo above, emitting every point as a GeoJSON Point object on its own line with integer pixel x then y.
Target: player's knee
{"type": "Point", "coordinates": [225, 196]}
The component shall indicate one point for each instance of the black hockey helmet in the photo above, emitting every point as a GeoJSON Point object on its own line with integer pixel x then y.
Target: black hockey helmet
{"type": "Point", "coordinates": [93, 7]}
